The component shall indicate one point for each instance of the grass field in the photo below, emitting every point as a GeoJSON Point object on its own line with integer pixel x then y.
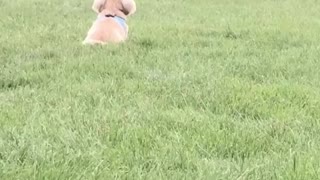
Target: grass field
{"type": "Point", "coordinates": [208, 89]}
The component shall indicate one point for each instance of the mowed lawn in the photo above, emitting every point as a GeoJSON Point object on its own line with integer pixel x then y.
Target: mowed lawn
{"type": "Point", "coordinates": [208, 89]}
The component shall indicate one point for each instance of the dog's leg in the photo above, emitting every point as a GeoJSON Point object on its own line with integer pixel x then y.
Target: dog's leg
{"type": "Point", "coordinates": [129, 6]}
{"type": "Point", "coordinates": [93, 42]}
{"type": "Point", "coordinates": [98, 5]}
{"type": "Point", "coordinates": [89, 39]}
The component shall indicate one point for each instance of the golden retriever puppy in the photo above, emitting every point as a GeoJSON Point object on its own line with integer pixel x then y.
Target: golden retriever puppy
{"type": "Point", "coordinates": [110, 25]}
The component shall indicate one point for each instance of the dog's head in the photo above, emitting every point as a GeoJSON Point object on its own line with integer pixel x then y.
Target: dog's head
{"type": "Point", "coordinates": [127, 7]}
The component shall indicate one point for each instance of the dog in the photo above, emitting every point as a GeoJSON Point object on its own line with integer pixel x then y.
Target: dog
{"type": "Point", "coordinates": [110, 25]}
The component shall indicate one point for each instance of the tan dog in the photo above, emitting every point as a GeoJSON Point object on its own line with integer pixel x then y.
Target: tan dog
{"type": "Point", "coordinates": [110, 26]}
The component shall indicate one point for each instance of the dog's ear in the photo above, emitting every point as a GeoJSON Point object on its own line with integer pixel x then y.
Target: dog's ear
{"type": "Point", "coordinates": [98, 5]}
{"type": "Point", "coordinates": [129, 7]}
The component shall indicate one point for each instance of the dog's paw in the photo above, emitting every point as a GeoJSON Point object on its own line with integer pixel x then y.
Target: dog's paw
{"type": "Point", "coordinates": [94, 8]}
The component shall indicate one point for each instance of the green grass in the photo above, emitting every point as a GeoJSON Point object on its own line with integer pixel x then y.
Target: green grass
{"type": "Point", "coordinates": [210, 89]}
